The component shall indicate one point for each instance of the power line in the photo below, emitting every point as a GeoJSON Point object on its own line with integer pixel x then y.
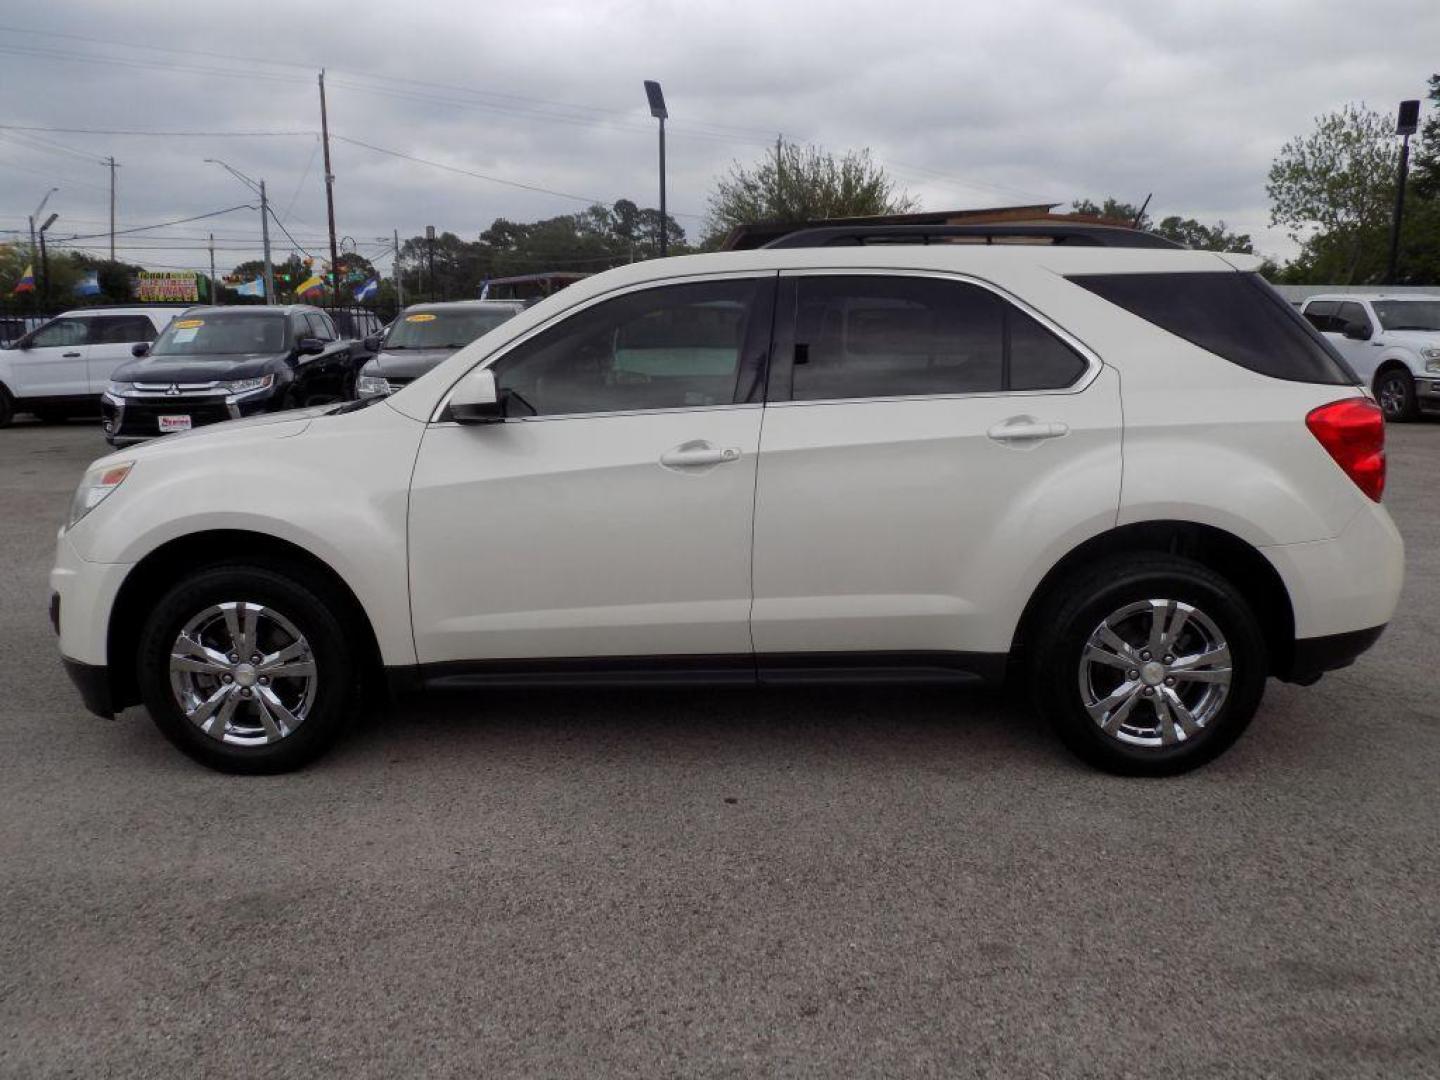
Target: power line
{"type": "Point", "coordinates": [162, 134]}
{"type": "Point", "coordinates": [162, 224]}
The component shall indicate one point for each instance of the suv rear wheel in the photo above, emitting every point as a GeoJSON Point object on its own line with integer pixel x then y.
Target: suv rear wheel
{"type": "Point", "coordinates": [246, 669]}
{"type": "Point", "coordinates": [1395, 390]}
{"type": "Point", "coordinates": [1149, 666]}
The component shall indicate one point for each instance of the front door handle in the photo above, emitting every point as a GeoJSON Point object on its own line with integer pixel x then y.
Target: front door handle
{"type": "Point", "coordinates": [697, 454]}
{"type": "Point", "coordinates": [1027, 429]}
{"type": "Point", "coordinates": [71, 355]}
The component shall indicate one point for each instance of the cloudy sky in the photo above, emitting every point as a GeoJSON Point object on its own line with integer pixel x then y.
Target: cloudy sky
{"type": "Point", "coordinates": [967, 104]}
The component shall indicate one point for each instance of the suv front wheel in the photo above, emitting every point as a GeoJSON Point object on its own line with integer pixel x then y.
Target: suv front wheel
{"type": "Point", "coordinates": [1395, 391]}
{"type": "Point", "coordinates": [247, 669]}
{"type": "Point", "coordinates": [1149, 665]}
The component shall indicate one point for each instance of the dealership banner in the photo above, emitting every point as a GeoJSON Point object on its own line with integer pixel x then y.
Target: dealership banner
{"type": "Point", "coordinates": [174, 285]}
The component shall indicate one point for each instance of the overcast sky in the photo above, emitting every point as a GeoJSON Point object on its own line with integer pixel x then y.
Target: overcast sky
{"type": "Point", "coordinates": [967, 104]}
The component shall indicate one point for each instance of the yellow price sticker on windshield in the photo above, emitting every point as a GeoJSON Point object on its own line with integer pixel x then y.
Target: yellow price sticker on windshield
{"type": "Point", "coordinates": [189, 324]}
{"type": "Point", "coordinates": [423, 316]}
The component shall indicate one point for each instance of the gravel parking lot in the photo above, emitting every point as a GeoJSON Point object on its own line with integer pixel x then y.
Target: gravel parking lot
{"type": "Point", "coordinates": [818, 882]}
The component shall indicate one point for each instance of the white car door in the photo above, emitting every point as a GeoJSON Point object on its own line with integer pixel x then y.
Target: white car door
{"type": "Point", "coordinates": [112, 339]}
{"type": "Point", "coordinates": [610, 515]}
{"type": "Point", "coordinates": [926, 444]}
{"type": "Point", "coordinates": [52, 363]}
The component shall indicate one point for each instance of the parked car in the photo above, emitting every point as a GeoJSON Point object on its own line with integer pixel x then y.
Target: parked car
{"type": "Point", "coordinates": [1137, 481]}
{"type": "Point", "coordinates": [222, 363]}
{"type": "Point", "coordinates": [61, 368]}
{"type": "Point", "coordinates": [424, 335]}
{"type": "Point", "coordinates": [1392, 342]}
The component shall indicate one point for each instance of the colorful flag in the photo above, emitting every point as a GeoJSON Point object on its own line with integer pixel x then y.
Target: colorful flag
{"type": "Point", "coordinates": [368, 291]}
{"type": "Point", "coordinates": [251, 288]}
{"type": "Point", "coordinates": [26, 282]}
{"type": "Point", "coordinates": [485, 289]}
{"type": "Point", "coordinates": [89, 285]}
{"type": "Point", "coordinates": [314, 283]}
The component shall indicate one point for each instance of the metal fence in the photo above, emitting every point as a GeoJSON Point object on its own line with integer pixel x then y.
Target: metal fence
{"type": "Point", "coordinates": [20, 315]}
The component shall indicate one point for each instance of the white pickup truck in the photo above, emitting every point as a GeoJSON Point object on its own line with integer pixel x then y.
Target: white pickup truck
{"type": "Point", "coordinates": [1392, 342]}
{"type": "Point", "coordinates": [62, 368]}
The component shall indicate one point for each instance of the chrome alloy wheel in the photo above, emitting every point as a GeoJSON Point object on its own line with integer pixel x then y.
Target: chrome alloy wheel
{"type": "Point", "coordinates": [1393, 395]}
{"type": "Point", "coordinates": [1154, 673]}
{"type": "Point", "coordinates": [243, 674]}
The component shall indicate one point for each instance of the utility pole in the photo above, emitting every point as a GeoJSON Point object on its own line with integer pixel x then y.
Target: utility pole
{"type": "Point", "coordinates": [329, 193]}
{"type": "Point", "coordinates": [110, 162]}
{"type": "Point", "coordinates": [1408, 121]}
{"type": "Point", "coordinates": [399, 277]}
{"type": "Point", "coordinates": [265, 240]}
{"type": "Point", "coordinates": [214, 292]}
{"type": "Point", "coordinates": [430, 251]}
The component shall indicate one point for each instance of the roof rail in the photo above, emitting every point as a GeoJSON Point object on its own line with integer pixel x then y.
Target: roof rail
{"type": "Point", "coordinates": [1070, 235]}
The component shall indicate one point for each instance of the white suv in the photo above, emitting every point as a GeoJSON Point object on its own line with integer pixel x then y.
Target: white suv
{"type": "Point", "coordinates": [61, 368]}
{"type": "Point", "coordinates": [1392, 342]}
{"type": "Point", "coordinates": [1136, 479]}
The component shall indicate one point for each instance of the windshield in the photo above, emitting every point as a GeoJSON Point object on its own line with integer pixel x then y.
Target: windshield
{"type": "Point", "coordinates": [451, 329]}
{"type": "Point", "coordinates": [223, 333]}
{"type": "Point", "coordinates": [1408, 314]}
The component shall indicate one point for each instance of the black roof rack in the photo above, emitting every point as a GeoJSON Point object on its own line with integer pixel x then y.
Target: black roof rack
{"type": "Point", "coordinates": [1113, 236]}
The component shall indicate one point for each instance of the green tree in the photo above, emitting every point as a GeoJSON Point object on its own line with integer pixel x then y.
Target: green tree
{"type": "Point", "coordinates": [1332, 190]}
{"type": "Point", "coordinates": [1112, 209]}
{"type": "Point", "coordinates": [1200, 237]}
{"type": "Point", "coordinates": [801, 183]}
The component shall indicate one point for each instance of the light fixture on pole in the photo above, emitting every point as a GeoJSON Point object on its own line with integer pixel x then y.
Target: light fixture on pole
{"type": "Point", "coordinates": [657, 109]}
{"type": "Point", "coordinates": [1405, 126]}
{"type": "Point", "coordinates": [259, 188]}
{"type": "Point", "coordinates": [34, 244]}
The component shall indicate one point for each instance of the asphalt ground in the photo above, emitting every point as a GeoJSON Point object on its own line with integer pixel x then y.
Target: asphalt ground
{"type": "Point", "coordinates": [680, 883]}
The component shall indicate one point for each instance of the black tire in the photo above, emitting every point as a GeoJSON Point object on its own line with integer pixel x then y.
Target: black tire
{"type": "Point", "coordinates": [1395, 391]}
{"type": "Point", "coordinates": [7, 408]}
{"type": "Point", "coordinates": [52, 416]}
{"type": "Point", "coordinates": [1076, 609]}
{"type": "Point", "coordinates": [322, 618]}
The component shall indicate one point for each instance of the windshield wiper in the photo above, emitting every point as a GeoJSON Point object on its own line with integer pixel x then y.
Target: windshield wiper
{"type": "Point", "coordinates": [354, 406]}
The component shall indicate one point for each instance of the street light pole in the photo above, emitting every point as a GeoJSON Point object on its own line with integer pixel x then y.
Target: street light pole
{"type": "Point", "coordinates": [1405, 126]}
{"type": "Point", "coordinates": [264, 222]}
{"type": "Point", "coordinates": [34, 243]}
{"type": "Point", "coordinates": [45, 259]}
{"type": "Point", "coordinates": [656, 98]}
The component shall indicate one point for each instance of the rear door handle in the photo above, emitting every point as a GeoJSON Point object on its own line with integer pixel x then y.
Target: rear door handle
{"type": "Point", "coordinates": [71, 355]}
{"type": "Point", "coordinates": [698, 453]}
{"type": "Point", "coordinates": [1027, 429]}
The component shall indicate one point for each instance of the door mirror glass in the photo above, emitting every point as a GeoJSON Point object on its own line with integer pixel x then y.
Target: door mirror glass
{"type": "Point", "coordinates": [1357, 331]}
{"type": "Point", "coordinates": [477, 400]}
{"type": "Point", "coordinates": [140, 348]}
{"type": "Point", "coordinates": [309, 346]}
{"type": "Point", "coordinates": [372, 343]}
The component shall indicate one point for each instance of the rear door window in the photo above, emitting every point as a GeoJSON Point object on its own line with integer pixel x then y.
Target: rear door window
{"type": "Point", "coordinates": [120, 329]}
{"type": "Point", "coordinates": [1236, 316]}
{"type": "Point", "coordinates": [1349, 312]}
{"type": "Point", "coordinates": [1321, 315]}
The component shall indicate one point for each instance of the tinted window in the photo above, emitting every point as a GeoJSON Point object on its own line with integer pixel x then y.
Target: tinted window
{"type": "Point", "coordinates": [320, 326]}
{"type": "Point", "coordinates": [1348, 313]}
{"type": "Point", "coordinates": [859, 337]}
{"type": "Point", "coordinates": [60, 332]}
{"type": "Point", "coordinates": [120, 329]}
{"type": "Point", "coordinates": [1233, 315]}
{"type": "Point", "coordinates": [1321, 315]}
{"type": "Point", "coordinates": [445, 328]}
{"type": "Point", "coordinates": [1038, 359]}
{"type": "Point", "coordinates": [673, 347]}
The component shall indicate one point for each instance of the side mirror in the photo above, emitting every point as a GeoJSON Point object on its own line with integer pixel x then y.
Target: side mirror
{"type": "Point", "coordinates": [140, 348]}
{"type": "Point", "coordinates": [309, 346]}
{"type": "Point", "coordinates": [1357, 331]}
{"type": "Point", "coordinates": [477, 400]}
{"type": "Point", "coordinates": [372, 342]}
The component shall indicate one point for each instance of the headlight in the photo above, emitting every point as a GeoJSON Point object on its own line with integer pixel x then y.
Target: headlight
{"type": "Point", "coordinates": [1431, 353]}
{"type": "Point", "coordinates": [98, 483]}
{"type": "Point", "coordinates": [372, 386]}
{"type": "Point", "coordinates": [118, 389]}
{"type": "Point", "coordinates": [245, 386]}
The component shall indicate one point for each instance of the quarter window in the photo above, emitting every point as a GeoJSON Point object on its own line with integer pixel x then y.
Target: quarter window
{"type": "Point", "coordinates": [679, 346]}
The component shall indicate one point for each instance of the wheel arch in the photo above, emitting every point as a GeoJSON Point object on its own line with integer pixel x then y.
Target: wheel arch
{"type": "Point", "coordinates": [168, 562]}
{"type": "Point", "coordinates": [1388, 364]}
{"type": "Point", "coordinates": [1221, 551]}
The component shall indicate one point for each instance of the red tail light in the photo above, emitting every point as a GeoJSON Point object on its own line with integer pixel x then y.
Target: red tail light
{"type": "Point", "coordinates": [1353, 433]}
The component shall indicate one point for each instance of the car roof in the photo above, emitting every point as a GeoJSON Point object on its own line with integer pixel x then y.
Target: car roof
{"type": "Point", "coordinates": [122, 309]}
{"type": "Point", "coordinates": [445, 305]}
{"type": "Point", "coordinates": [1373, 296]}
